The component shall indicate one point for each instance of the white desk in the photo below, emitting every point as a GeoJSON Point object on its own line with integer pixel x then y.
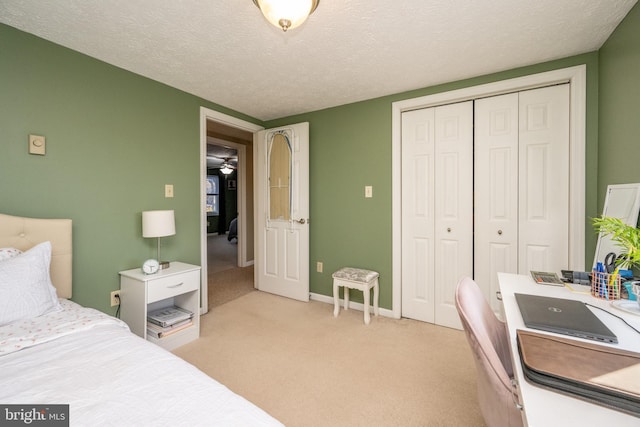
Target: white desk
{"type": "Point", "coordinates": [543, 408]}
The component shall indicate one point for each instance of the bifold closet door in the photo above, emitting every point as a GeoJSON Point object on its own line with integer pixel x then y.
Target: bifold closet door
{"type": "Point", "coordinates": [496, 191]}
{"type": "Point", "coordinates": [418, 214]}
{"type": "Point", "coordinates": [437, 214]}
{"type": "Point", "coordinates": [521, 185]}
{"type": "Point", "coordinates": [543, 223]}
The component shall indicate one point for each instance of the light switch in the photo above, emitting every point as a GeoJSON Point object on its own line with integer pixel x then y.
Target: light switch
{"type": "Point", "coordinates": [37, 144]}
{"type": "Point", "coordinates": [168, 190]}
{"type": "Point", "coordinates": [368, 191]}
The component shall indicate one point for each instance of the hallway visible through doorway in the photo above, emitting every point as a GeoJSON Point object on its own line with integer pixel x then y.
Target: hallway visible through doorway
{"type": "Point", "coordinates": [226, 281]}
{"type": "Point", "coordinates": [222, 254]}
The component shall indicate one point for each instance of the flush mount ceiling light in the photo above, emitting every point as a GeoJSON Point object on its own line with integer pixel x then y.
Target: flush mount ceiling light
{"type": "Point", "coordinates": [286, 14]}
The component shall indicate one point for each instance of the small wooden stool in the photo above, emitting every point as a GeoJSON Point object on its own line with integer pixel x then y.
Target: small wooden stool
{"type": "Point", "coordinates": [355, 278]}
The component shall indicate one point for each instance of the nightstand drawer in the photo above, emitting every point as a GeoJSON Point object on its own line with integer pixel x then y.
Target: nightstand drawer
{"type": "Point", "coordinates": [168, 287]}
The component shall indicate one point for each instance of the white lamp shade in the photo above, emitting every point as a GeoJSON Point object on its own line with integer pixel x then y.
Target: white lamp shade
{"type": "Point", "coordinates": [158, 224]}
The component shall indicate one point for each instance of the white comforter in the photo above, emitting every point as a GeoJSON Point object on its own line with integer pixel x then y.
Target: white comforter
{"type": "Point", "coordinates": [110, 377]}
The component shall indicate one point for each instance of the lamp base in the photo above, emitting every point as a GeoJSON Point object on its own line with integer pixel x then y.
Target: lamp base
{"type": "Point", "coordinates": [164, 265]}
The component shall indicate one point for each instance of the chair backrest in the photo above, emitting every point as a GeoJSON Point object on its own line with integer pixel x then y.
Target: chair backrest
{"type": "Point", "coordinates": [489, 342]}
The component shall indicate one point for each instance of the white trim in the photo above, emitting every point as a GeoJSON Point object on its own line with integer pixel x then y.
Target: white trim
{"type": "Point", "coordinates": [208, 114]}
{"type": "Point", "coordinates": [352, 305]}
{"type": "Point", "coordinates": [577, 77]}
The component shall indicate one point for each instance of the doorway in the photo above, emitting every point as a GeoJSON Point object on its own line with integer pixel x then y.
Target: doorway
{"type": "Point", "coordinates": [218, 129]}
{"type": "Point", "coordinates": [222, 203]}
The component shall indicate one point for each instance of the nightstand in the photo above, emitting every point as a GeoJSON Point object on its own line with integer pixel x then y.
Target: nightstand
{"type": "Point", "coordinates": [178, 285]}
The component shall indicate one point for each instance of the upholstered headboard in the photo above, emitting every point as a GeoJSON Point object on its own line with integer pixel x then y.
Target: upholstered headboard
{"type": "Point", "coordinates": [24, 233]}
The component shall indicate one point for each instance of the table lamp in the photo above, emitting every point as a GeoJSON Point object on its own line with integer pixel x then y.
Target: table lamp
{"type": "Point", "coordinates": [158, 224]}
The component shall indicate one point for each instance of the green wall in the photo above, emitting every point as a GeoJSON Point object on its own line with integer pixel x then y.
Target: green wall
{"type": "Point", "coordinates": [350, 147]}
{"type": "Point", "coordinates": [619, 149]}
{"type": "Point", "coordinates": [114, 139]}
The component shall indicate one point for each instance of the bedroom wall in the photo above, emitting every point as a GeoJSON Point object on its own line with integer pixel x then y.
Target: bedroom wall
{"type": "Point", "coordinates": [619, 149]}
{"type": "Point", "coordinates": [114, 139]}
{"type": "Point", "coordinates": [350, 147]}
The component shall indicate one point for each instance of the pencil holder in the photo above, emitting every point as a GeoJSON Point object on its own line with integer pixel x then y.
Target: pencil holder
{"type": "Point", "coordinates": [605, 285]}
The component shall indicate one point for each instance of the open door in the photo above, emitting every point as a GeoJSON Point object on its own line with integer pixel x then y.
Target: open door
{"type": "Point", "coordinates": [282, 211]}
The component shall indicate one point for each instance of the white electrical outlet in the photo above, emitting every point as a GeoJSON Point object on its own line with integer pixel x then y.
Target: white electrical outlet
{"type": "Point", "coordinates": [115, 298]}
{"type": "Point", "coordinates": [319, 266]}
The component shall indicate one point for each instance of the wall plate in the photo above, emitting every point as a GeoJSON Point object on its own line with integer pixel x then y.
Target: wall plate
{"type": "Point", "coordinates": [37, 144]}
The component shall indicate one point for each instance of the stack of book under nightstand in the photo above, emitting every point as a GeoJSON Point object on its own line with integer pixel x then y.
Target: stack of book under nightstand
{"type": "Point", "coordinates": [169, 320]}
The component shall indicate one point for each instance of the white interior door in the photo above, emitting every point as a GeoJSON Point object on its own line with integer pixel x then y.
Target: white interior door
{"type": "Point", "coordinates": [453, 206]}
{"type": "Point", "coordinates": [282, 211]}
{"type": "Point", "coordinates": [543, 235]}
{"type": "Point", "coordinates": [521, 185]}
{"type": "Point", "coordinates": [495, 192]}
{"type": "Point", "coordinates": [516, 190]}
{"type": "Point", "coordinates": [418, 173]}
{"type": "Point", "coordinates": [437, 233]}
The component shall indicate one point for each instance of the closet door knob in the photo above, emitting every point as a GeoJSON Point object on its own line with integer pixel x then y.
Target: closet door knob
{"type": "Point", "coordinates": [448, 229]}
{"type": "Point", "coordinates": [500, 232]}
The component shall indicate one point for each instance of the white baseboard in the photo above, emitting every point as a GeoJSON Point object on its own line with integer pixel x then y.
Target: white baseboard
{"type": "Point", "coordinates": [352, 305]}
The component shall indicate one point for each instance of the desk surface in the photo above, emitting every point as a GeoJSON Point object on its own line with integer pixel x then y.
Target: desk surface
{"type": "Point", "coordinates": [547, 408]}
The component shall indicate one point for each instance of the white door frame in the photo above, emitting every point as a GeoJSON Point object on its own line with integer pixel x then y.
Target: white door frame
{"type": "Point", "coordinates": [205, 115]}
{"type": "Point", "coordinates": [576, 76]}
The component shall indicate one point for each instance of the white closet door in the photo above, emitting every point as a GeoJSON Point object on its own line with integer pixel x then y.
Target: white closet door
{"type": "Point", "coordinates": [418, 259]}
{"type": "Point", "coordinates": [453, 206]}
{"type": "Point", "coordinates": [544, 180]}
{"type": "Point", "coordinates": [496, 192]}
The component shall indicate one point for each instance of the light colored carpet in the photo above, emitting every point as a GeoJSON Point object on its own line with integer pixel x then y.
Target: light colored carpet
{"type": "Point", "coordinates": [227, 285]}
{"type": "Point", "coordinates": [307, 368]}
{"type": "Point", "coordinates": [221, 253]}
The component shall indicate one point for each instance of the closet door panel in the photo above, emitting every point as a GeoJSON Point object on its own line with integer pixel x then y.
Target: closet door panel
{"type": "Point", "coordinates": [544, 179]}
{"type": "Point", "coordinates": [495, 192]}
{"type": "Point", "coordinates": [453, 206]}
{"type": "Point", "coordinates": [418, 254]}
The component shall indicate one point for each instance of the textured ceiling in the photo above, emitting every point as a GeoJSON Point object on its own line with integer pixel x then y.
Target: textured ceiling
{"type": "Point", "coordinates": [349, 50]}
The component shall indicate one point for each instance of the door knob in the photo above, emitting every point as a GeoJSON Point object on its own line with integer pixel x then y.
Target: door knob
{"type": "Point", "coordinates": [448, 229]}
{"type": "Point", "coordinates": [500, 232]}
{"type": "Point", "coordinates": [300, 221]}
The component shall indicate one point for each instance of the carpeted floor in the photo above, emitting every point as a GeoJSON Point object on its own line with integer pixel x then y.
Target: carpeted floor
{"type": "Point", "coordinates": [222, 254]}
{"type": "Point", "coordinates": [226, 281]}
{"type": "Point", "coordinates": [307, 368]}
{"type": "Point", "coordinates": [227, 285]}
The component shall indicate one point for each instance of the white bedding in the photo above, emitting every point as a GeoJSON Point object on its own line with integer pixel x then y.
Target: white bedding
{"type": "Point", "coordinates": [110, 377]}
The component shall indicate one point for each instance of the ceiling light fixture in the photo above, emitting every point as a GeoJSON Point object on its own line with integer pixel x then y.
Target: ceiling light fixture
{"type": "Point", "coordinates": [226, 168]}
{"type": "Point", "coordinates": [286, 14]}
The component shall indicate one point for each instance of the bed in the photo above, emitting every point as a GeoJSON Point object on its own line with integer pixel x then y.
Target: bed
{"type": "Point", "coordinates": [54, 351]}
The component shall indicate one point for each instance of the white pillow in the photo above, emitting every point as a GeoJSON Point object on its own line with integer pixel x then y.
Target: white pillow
{"type": "Point", "coordinates": [6, 253]}
{"type": "Point", "coordinates": [25, 285]}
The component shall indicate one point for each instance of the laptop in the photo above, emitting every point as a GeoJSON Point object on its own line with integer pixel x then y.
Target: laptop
{"type": "Point", "coordinates": [563, 316]}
